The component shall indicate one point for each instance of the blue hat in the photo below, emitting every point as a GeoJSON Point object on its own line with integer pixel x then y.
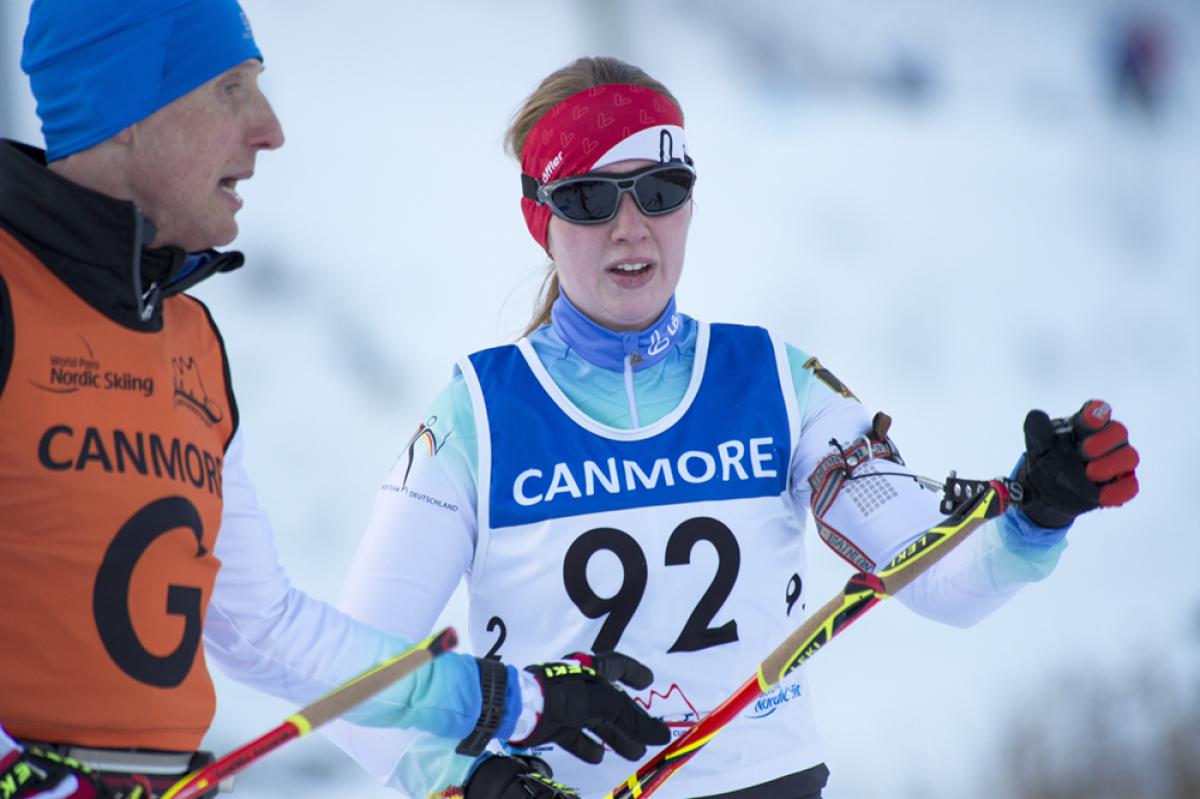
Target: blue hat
{"type": "Point", "coordinates": [98, 66]}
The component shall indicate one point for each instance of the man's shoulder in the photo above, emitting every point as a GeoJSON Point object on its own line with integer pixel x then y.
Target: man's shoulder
{"type": "Point", "coordinates": [187, 308]}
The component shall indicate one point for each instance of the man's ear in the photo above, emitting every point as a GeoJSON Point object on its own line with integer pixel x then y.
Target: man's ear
{"type": "Point", "coordinates": [125, 137]}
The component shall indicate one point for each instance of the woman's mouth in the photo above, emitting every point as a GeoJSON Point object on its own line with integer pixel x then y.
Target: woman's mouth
{"type": "Point", "coordinates": [632, 274]}
{"type": "Point", "coordinates": [634, 268]}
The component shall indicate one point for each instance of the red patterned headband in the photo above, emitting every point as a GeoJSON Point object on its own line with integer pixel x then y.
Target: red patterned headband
{"type": "Point", "coordinates": [592, 129]}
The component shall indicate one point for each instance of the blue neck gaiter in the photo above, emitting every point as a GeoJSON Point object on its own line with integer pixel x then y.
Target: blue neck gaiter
{"type": "Point", "coordinates": [609, 348]}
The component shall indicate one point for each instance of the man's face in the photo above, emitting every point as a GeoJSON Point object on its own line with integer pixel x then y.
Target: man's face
{"type": "Point", "coordinates": [187, 158]}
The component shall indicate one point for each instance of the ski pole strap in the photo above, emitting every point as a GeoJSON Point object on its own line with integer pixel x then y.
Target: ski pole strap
{"type": "Point", "coordinates": [831, 475]}
{"type": "Point", "coordinates": [831, 472]}
{"type": "Point", "coordinates": [493, 686]}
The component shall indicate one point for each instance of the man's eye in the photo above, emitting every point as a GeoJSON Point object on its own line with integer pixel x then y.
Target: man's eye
{"type": "Point", "coordinates": [232, 88]}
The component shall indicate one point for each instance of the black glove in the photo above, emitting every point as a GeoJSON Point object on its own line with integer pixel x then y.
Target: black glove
{"type": "Point", "coordinates": [519, 777]}
{"type": "Point", "coordinates": [1075, 465]}
{"type": "Point", "coordinates": [36, 774]}
{"type": "Point", "coordinates": [579, 696]}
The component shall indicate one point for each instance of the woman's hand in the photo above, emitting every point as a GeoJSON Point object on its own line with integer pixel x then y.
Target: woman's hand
{"type": "Point", "coordinates": [1075, 465]}
{"type": "Point", "coordinates": [579, 694]}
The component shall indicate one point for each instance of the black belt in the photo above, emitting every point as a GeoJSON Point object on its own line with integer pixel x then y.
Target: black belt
{"type": "Point", "coordinates": [123, 770]}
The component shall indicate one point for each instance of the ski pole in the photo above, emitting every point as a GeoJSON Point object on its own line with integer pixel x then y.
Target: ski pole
{"type": "Point", "coordinates": [335, 703]}
{"type": "Point", "coordinates": [977, 501]}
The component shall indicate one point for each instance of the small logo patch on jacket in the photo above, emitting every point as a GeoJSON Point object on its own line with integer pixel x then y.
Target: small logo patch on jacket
{"type": "Point", "coordinates": [826, 377]}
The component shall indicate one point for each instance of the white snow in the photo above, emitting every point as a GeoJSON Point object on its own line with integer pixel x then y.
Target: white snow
{"type": "Point", "coordinates": [1006, 242]}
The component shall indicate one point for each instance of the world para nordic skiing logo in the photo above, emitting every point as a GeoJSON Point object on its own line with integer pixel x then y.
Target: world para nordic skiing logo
{"type": "Point", "coordinates": [76, 371]}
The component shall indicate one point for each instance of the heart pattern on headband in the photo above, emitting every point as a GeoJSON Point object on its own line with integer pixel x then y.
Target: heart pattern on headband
{"type": "Point", "coordinates": [589, 129]}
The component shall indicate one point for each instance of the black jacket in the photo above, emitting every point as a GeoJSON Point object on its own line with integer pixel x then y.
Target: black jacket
{"type": "Point", "coordinates": [92, 242]}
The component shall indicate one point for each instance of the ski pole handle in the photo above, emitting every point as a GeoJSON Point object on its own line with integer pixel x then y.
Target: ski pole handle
{"type": "Point", "coordinates": [335, 703]}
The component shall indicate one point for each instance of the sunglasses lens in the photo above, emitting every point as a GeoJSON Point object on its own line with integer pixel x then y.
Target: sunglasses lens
{"type": "Point", "coordinates": [664, 191]}
{"type": "Point", "coordinates": [586, 200]}
{"type": "Point", "coordinates": [595, 200]}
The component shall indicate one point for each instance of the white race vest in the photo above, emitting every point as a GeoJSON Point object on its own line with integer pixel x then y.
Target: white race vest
{"type": "Point", "coordinates": [675, 543]}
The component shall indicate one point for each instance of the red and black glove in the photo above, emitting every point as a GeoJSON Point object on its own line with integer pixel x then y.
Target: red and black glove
{"type": "Point", "coordinates": [33, 774]}
{"type": "Point", "coordinates": [519, 777]}
{"type": "Point", "coordinates": [1076, 465]}
{"type": "Point", "coordinates": [579, 695]}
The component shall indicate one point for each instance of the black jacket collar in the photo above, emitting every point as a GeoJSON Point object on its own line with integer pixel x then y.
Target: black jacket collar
{"type": "Point", "coordinates": [92, 242]}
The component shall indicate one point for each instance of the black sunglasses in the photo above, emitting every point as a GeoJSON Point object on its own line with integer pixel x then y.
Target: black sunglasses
{"type": "Point", "coordinates": [594, 198]}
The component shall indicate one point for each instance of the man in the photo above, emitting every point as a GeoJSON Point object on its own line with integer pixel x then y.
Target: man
{"type": "Point", "coordinates": [121, 457]}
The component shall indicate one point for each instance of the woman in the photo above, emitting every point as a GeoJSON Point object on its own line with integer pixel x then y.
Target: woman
{"type": "Point", "coordinates": [625, 476]}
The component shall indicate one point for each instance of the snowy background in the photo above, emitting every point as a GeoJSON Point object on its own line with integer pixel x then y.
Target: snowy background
{"type": "Point", "coordinates": [940, 199]}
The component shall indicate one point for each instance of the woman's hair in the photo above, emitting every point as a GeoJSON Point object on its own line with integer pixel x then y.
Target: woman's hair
{"type": "Point", "coordinates": [581, 74]}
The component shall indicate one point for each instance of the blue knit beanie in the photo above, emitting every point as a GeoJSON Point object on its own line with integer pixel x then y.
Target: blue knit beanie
{"type": "Point", "coordinates": [98, 66]}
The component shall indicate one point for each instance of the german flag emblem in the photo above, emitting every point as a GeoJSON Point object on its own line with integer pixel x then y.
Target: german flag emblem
{"type": "Point", "coordinates": [827, 377]}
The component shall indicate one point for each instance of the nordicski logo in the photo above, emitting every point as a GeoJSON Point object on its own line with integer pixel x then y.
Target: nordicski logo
{"type": "Point", "coordinates": [732, 461]}
{"type": "Point", "coordinates": [766, 705]}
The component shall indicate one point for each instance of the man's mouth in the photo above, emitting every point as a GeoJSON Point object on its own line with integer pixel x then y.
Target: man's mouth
{"type": "Point", "coordinates": [229, 186]}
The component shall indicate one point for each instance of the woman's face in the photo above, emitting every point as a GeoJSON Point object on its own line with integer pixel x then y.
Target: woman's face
{"type": "Point", "coordinates": [621, 273]}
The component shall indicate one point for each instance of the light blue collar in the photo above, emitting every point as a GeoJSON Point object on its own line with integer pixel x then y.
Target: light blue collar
{"type": "Point", "coordinates": [609, 348]}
